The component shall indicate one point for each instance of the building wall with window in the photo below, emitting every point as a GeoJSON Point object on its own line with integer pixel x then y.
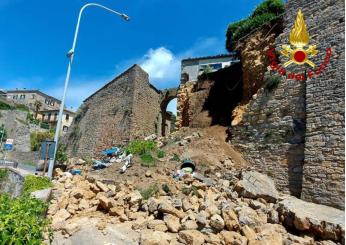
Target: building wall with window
{"type": "Point", "coordinates": [30, 98]}
{"type": "Point", "coordinates": [51, 117]}
{"type": "Point", "coordinates": [193, 67]}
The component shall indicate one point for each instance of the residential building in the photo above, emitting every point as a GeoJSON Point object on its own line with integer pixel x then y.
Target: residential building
{"type": "Point", "coordinates": [51, 117]}
{"type": "Point", "coordinates": [191, 68]}
{"type": "Point", "coordinates": [32, 98]}
{"type": "Point", "coordinates": [2, 94]}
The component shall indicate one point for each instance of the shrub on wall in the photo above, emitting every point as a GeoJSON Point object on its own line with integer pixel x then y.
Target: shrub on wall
{"type": "Point", "coordinates": [266, 12]}
{"type": "Point", "coordinates": [37, 137]}
{"type": "Point", "coordinates": [5, 106]}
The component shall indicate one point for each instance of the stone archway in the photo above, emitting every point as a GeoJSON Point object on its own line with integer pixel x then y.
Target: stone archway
{"type": "Point", "coordinates": [167, 95]}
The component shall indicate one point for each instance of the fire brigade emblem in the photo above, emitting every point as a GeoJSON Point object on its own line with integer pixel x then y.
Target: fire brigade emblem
{"type": "Point", "coordinates": [299, 38]}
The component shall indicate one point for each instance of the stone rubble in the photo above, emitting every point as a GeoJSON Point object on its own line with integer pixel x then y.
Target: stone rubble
{"type": "Point", "coordinates": [207, 215]}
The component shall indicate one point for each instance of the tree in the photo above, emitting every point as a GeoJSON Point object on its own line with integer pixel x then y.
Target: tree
{"type": "Point", "coordinates": [3, 133]}
{"type": "Point", "coordinates": [37, 106]}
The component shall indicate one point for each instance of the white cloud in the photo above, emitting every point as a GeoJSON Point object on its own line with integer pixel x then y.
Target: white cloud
{"type": "Point", "coordinates": [163, 66]}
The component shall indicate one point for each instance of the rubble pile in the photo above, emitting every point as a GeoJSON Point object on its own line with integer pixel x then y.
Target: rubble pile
{"type": "Point", "coordinates": [234, 210]}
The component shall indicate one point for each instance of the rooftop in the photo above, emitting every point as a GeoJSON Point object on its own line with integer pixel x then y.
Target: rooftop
{"type": "Point", "coordinates": [65, 110]}
{"type": "Point", "coordinates": [230, 55]}
{"type": "Point", "coordinates": [34, 91]}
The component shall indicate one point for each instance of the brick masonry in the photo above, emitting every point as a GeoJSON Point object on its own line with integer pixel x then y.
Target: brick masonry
{"type": "Point", "coordinates": [295, 132]}
{"type": "Point", "coordinates": [124, 109]}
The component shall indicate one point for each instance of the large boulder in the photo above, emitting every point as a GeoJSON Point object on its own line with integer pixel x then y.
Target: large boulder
{"type": "Point", "coordinates": [256, 185]}
{"type": "Point", "coordinates": [323, 221]}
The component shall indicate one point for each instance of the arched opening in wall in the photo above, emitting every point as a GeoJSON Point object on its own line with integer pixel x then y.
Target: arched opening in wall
{"type": "Point", "coordinates": [225, 94]}
{"type": "Point", "coordinates": [168, 115]}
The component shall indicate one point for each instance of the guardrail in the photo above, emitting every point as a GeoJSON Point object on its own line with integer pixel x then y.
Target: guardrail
{"type": "Point", "coordinates": [4, 163]}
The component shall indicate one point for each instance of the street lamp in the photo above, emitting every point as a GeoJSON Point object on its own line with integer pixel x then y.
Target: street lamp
{"type": "Point", "coordinates": [70, 55]}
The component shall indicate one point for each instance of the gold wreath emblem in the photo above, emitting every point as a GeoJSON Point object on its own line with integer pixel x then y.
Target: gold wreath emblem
{"type": "Point", "coordinates": [299, 37]}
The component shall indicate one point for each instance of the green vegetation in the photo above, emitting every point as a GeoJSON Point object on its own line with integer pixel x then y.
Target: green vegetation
{"type": "Point", "coordinates": [147, 160]}
{"type": "Point", "coordinates": [175, 158]}
{"type": "Point", "coordinates": [161, 154]}
{"type": "Point", "coordinates": [144, 149]}
{"type": "Point", "coordinates": [166, 188]}
{"type": "Point", "coordinates": [3, 174]}
{"type": "Point", "coordinates": [61, 155]}
{"type": "Point", "coordinates": [34, 183]}
{"type": "Point", "coordinates": [187, 190]}
{"type": "Point", "coordinates": [267, 11]}
{"type": "Point", "coordinates": [149, 192]}
{"type": "Point", "coordinates": [30, 119]}
{"type": "Point", "coordinates": [271, 83]}
{"type": "Point", "coordinates": [3, 133]}
{"type": "Point", "coordinates": [5, 106]}
{"type": "Point", "coordinates": [22, 220]}
{"type": "Point", "coordinates": [37, 137]}
{"type": "Point", "coordinates": [44, 125]}
{"type": "Point", "coordinates": [22, 107]}
{"type": "Point", "coordinates": [140, 147]}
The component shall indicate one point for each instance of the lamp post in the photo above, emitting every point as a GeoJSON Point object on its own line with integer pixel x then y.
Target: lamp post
{"type": "Point", "coordinates": [70, 55]}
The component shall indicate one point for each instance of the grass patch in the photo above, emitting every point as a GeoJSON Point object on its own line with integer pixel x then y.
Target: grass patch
{"type": "Point", "coordinates": [175, 158]}
{"type": "Point", "coordinates": [149, 192]}
{"type": "Point", "coordinates": [34, 183]}
{"type": "Point", "coordinates": [187, 190]}
{"type": "Point", "coordinates": [22, 220]}
{"type": "Point", "coordinates": [161, 154]}
{"type": "Point", "coordinates": [140, 147]}
{"type": "Point", "coordinates": [3, 174]}
{"type": "Point", "coordinates": [147, 160]}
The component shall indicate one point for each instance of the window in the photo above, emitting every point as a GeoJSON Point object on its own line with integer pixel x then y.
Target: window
{"type": "Point", "coordinates": [56, 117]}
{"type": "Point", "coordinates": [52, 103]}
{"type": "Point", "coordinates": [67, 117]}
{"type": "Point", "coordinates": [33, 96]}
{"type": "Point", "coordinates": [49, 116]}
{"type": "Point", "coordinates": [22, 96]}
{"type": "Point", "coordinates": [15, 97]}
{"type": "Point", "coordinates": [64, 128]}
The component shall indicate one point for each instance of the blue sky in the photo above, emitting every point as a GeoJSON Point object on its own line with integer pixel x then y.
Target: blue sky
{"type": "Point", "coordinates": [35, 36]}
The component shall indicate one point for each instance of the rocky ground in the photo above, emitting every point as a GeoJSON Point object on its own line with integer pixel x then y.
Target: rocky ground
{"type": "Point", "coordinates": [231, 204]}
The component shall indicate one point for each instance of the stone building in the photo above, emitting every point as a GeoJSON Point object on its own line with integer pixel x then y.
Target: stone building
{"type": "Point", "coordinates": [126, 108]}
{"type": "Point", "coordinates": [294, 132]}
{"type": "Point", "coordinates": [30, 98]}
{"type": "Point", "coordinates": [191, 68]}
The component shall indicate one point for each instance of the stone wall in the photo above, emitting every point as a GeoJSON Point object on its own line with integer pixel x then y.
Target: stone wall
{"type": "Point", "coordinates": [145, 107]}
{"type": "Point", "coordinates": [124, 109]}
{"type": "Point", "coordinates": [295, 131]}
{"type": "Point", "coordinates": [324, 163]}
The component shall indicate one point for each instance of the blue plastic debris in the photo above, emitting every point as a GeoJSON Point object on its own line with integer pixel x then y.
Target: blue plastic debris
{"type": "Point", "coordinates": [112, 151]}
{"type": "Point", "coordinates": [76, 171]}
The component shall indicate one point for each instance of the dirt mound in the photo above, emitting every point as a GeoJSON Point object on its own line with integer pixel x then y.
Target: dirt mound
{"type": "Point", "coordinates": [207, 148]}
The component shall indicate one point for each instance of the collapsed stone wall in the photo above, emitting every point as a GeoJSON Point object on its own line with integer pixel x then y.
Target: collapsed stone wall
{"type": "Point", "coordinates": [253, 56]}
{"type": "Point", "coordinates": [210, 100]}
{"type": "Point", "coordinates": [295, 132]}
{"type": "Point", "coordinates": [122, 110]}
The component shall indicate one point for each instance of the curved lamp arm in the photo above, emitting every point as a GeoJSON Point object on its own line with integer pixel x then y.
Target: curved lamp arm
{"type": "Point", "coordinates": [71, 52]}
